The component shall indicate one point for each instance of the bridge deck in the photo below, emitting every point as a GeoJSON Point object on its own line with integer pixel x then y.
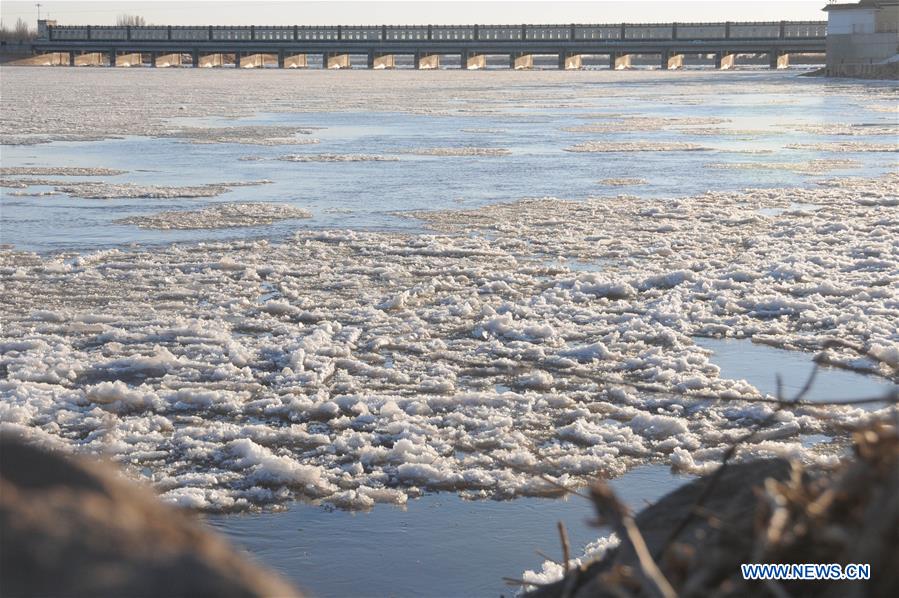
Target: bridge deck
{"type": "Point", "coordinates": [665, 39]}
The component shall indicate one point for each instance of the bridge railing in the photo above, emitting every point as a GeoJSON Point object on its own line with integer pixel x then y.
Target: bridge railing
{"type": "Point", "coordinates": [445, 33]}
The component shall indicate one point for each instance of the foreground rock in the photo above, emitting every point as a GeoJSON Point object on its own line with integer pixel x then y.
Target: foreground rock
{"type": "Point", "coordinates": [73, 528]}
{"type": "Point", "coordinates": [762, 512]}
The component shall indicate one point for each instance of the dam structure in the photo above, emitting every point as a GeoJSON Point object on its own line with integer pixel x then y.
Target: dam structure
{"type": "Point", "coordinates": [333, 46]}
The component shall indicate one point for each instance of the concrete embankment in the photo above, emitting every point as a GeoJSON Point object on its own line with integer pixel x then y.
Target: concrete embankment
{"type": "Point", "coordinates": [889, 71]}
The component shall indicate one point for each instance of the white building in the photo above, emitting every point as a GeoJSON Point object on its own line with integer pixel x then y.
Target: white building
{"type": "Point", "coordinates": [861, 36]}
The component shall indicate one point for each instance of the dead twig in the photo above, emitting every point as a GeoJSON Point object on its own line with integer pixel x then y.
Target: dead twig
{"type": "Point", "coordinates": [546, 557]}
{"type": "Point", "coordinates": [566, 548]}
{"type": "Point", "coordinates": [514, 581]}
{"type": "Point", "coordinates": [725, 461]}
{"type": "Point", "coordinates": [861, 350]}
{"type": "Point", "coordinates": [807, 386]}
{"type": "Point", "coordinates": [570, 580]}
{"type": "Point", "coordinates": [543, 477]}
{"type": "Point", "coordinates": [615, 513]}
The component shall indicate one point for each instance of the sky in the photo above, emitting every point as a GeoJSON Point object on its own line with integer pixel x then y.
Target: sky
{"type": "Point", "coordinates": [356, 12]}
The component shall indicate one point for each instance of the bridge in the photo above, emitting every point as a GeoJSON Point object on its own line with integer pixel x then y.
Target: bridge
{"type": "Point", "coordinates": [291, 46]}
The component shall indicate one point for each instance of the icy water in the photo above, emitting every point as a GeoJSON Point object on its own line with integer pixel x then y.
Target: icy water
{"type": "Point", "coordinates": [502, 276]}
{"type": "Point", "coordinates": [761, 365]}
{"type": "Point", "coordinates": [755, 128]}
{"type": "Point", "coordinates": [467, 547]}
{"type": "Point", "coordinates": [438, 545]}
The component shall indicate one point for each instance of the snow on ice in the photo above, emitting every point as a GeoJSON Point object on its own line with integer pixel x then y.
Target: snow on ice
{"type": "Point", "coordinates": [366, 367]}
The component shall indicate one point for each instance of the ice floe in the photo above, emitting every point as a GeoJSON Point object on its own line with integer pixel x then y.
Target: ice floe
{"type": "Point", "coordinates": [845, 146]}
{"type": "Point", "coordinates": [100, 190]}
{"type": "Point", "coordinates": [33, 194]}
{"type": "Point", "coordinates": [641, 123]}
{"type": "Point", "coordinates": [30, 119]}
{"type": "Point", "coordinates": [552, 571]}
{"type": "Point", "coordinates": [230, 215]}
{"type": "Point", "coordinates": [483, 131]}
{"type": "Point", "coordinates": [359, 367]}
{"type": "Point", "coordinates": [365, 367]}
{"type": "Point", "coordinates": [458, 151]}
{"type": "Point", "coordinates": [820, 166]}
{"type": "Point", "coordinates": [337, 158]}
{"type": "Point", "coordinates": [634, 146]}
{"type": "Point", "coordinates": [623, 182]}
{"type": "Point", "coordinates": [847, 129]}
{"type": "Point", "coordinates": [58, 171]}
{"type": "Point", "coordinates": [31, 182]}
{"type": "Point", "coordinates": [246, 135]}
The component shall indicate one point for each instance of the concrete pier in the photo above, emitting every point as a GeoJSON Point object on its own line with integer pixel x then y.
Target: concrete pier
{"type": "Point", "coordinates": [672, 61]}
{"type": "Point", "coordinates": [92, 59]}
{"type": "Point", "coordinates": [258, 61]}
{"type": "Point", "coordinates": [620, 62]}
{"type": "Point", "coordinates": [570, 62]}
{"type": "Point", "coordinates": [212, 60]}
{"type": "Point", "coordinates": [128, 60]}
{"type": "Point", "coordinates": [378, 61]}
{"type": "Point", "coordinates": [427, 62]}
{"type": "Point", "coordinates": [335, 61]}
{"type": "Point", "coordinates": [520, 62]}
{"type": "Point", "coordinates": [725, 61]}
{"type": "Point", "coordinates": [166, 60]}
{"type": "Point", "coordinates": [295, 61]}
{"type": "Point", "coordinates": [472, 62]}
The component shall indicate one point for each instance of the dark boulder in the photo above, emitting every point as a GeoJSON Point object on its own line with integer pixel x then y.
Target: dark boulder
{"type": "Point", "coordinates": [72, 527]}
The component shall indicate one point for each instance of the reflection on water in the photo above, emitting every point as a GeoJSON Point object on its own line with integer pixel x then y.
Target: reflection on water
{"type": "Point", "coordinates": [760, 365]}
{"type": "Point", "coordinates": [366, 194]}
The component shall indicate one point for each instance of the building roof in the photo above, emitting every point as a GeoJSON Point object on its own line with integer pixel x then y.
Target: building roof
{"type": "Point", "coordinates": [862, 4]}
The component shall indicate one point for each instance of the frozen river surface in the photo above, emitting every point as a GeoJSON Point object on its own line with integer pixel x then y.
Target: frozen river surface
{"type": "Point", "coordinates": [737, 124]}
{"type": "Point", "coordinates": [401, 292]}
